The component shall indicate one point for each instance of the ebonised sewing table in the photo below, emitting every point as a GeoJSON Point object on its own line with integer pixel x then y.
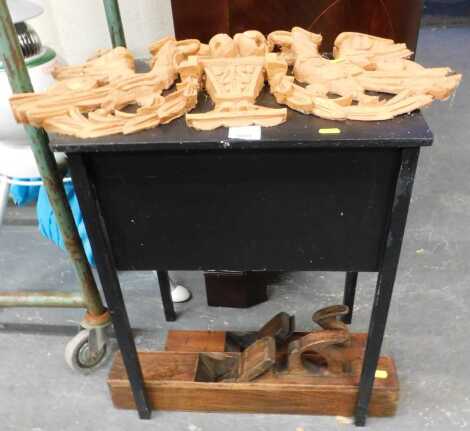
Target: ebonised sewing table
{"type": "Point", "coordinates": [174, 198]}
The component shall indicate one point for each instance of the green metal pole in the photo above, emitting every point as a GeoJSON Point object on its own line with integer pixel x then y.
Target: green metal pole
{"type": "Point", "coordinates": [41, 299]}
{"type": "Point", "coordinates": [113, 16]}
{"type": "Point", "coordinates": [20, 82]}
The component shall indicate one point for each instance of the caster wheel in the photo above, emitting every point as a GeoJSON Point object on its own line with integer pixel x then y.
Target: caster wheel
{"type": "Point", "coordinates": [79, 357]}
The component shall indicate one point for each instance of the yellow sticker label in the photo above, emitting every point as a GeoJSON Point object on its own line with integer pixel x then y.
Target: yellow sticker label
{"type": "Point", "coordinates": [333, 131]}
{"type": "Point", "coordinates": [381, 374]}
{"type": "Point", "coordinates": [337, 60]}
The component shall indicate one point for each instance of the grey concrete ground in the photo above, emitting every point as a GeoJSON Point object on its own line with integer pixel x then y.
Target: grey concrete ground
{"type": "Point", "coordinates": [427, 332]}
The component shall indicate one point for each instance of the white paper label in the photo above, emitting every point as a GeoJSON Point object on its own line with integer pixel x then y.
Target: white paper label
{"type": "Point", "coordinates": [248, 133]}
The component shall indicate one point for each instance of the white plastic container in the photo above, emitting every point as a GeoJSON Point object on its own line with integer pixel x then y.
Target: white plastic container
{"type": "Point", "coordinates": [39, 67]}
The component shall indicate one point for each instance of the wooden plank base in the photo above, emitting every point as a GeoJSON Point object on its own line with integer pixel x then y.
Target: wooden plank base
{"type": "Point", "coordinates": [170, 382]}
{"type": "Point", "coordinates": [195, 341]}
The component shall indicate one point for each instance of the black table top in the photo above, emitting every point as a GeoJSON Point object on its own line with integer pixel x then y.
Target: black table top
{"type": "Point", "coordinates": [299, 132]}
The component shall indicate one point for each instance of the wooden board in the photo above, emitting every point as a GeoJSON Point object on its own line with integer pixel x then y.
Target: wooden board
{"type": "Point", "coordinates": [195, 341]}
{"type": "Point", "coordinates": [170, 382]}
{"type": "Point", "coordinates": [280, 193]}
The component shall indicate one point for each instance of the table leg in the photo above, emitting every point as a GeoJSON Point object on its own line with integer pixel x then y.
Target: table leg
{"type": "Point", "coordinates": [165, 290]}
{"type": "Point", "coordinates": [126, 342]}
{"type": "Point", "coordinates": [109, 280]}
{"type": "Point", "coordinates": [349, 295]}
{"type": "Point", "coordinates": [386, 279]}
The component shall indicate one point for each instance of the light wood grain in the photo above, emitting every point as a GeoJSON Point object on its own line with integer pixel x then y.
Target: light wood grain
{"type": "Point", "coordinates": [169, 380]}
{"type": "Point", "coordinates": [195, 341]}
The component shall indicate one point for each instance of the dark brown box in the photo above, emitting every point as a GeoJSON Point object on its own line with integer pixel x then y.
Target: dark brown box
{"type": "Point", "coordinates": [237, 289]}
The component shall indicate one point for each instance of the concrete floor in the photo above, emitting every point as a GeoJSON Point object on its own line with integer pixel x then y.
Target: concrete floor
{"type": "Point", "coordinates": [426, 334]}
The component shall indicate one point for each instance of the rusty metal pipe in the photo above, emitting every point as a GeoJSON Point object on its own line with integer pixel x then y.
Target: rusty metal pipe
{"type": "Point", "coordinates": [48, 299]}
{"type": "Point", "coordinates": [20, 82]}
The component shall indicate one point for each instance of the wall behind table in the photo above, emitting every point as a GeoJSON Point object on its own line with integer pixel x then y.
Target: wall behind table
{"type": "Point", "coordinates": [75, 29]}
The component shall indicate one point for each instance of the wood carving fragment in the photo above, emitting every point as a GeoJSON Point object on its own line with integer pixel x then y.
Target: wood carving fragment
{"type": "Point", "coordinates": [234, 80]}
{"type": "Point", "coordinates": [105, 95]}
{"type": "Point", "coordinates": [90, 101]}
{"type": "Point", "coordinates": [338, 89]}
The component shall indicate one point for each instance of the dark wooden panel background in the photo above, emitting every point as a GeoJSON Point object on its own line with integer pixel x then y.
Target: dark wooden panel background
{"type": "Point", "coordinates": [396, 19]}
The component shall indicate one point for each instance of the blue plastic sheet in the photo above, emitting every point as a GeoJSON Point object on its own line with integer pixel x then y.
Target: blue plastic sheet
{"type": "Point", "coordinates": [48, 224]}
{"type": "Point", "coordinates": [24, 195]}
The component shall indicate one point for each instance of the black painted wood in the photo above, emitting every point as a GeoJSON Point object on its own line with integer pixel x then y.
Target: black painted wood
{"type": "Point", "coordinates": [246, 210]}
{"type": "Point", "coordinates": [236, 289]}
{"type": "Point", "coordinates": [299, 132]}
{"type": "Point", "coordinates": [165, 291]}
{"type": "Point", "coordinates": [386, 279]}
{"type": "Point", "coordinates": [349, 295]}
{"type": "Point", "coordinates": [174, 198]}
{"type": "Point", "coordinates": [109, 281]}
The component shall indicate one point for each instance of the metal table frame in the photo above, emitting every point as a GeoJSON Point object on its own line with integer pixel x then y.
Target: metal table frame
{"type": "Point", "coordinates": [88, 297]}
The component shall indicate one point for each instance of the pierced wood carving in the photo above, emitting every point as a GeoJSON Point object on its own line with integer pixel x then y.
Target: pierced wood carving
{"type": "Point", "coordinates": [337, 89]}
{"type": "Point", "coordinates": [90, 101]}
{"type": "Point", "coordinates": [234, 79]}
{"type": "Point", "coordinates": [105, 95]}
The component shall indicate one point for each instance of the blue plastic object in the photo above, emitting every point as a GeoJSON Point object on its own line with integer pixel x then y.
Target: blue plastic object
{"type": "Point", "coordinates": [48, 224]}
{"type": "Point", "coordinates": [24, 195]}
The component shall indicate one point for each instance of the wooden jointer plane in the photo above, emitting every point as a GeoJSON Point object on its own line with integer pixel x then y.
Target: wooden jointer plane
{"type": "Point", "coordinates": [273, 370]}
